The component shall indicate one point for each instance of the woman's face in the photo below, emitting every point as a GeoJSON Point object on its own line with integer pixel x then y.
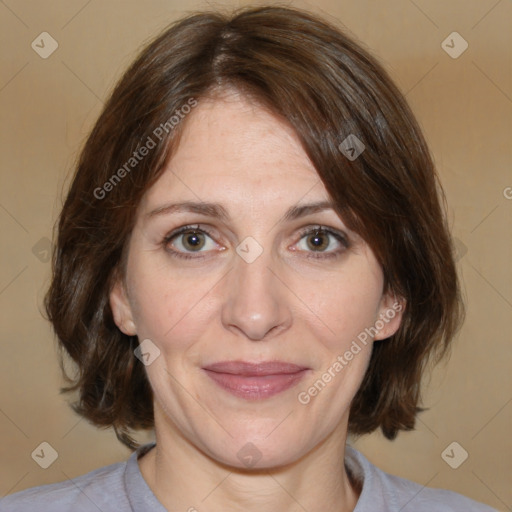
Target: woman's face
{"type": "Point", "coordinates": [256, 299]}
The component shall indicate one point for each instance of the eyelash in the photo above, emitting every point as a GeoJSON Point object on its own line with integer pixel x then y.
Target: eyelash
{"type": "Point", "coordinates": [340, 237]}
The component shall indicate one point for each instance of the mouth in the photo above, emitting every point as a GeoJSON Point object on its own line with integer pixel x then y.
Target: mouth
{"type": "Point", "coordinates": [255, 381]}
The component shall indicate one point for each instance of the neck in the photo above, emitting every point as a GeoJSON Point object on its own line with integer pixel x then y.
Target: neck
{"type": "Point", "coordinates": [184, 478]}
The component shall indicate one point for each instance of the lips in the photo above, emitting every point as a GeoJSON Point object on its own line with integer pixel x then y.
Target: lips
{"type": "Point", "coordinates": [255, 381]}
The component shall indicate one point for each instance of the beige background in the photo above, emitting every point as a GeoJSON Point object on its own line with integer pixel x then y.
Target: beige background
{"type": "Point", "coordinates": [464, 105]}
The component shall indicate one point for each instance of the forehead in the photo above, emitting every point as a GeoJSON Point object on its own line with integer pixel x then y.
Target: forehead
{"type": "Point", "coordinates": [230, 144]}
{"type": "Point", "coordinates": [233, 126]}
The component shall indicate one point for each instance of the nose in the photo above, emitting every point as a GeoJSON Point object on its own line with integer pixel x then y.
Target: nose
{"type": "Point", "coordinates": [255, 300]}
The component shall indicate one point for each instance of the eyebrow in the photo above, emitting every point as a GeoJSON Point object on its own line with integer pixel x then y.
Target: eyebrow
{"type": "Point", "coordinates": [217, 211]}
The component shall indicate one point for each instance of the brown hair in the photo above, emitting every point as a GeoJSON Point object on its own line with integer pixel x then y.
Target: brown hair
{"type": "Point", "coordinates": [327, 87]}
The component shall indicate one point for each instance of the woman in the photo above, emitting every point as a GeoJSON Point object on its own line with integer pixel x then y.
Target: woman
{"type": "Point", "coordinates": [253, 260]}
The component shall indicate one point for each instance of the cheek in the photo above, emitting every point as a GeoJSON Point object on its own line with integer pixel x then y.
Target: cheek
{"type": "Point", "coordinates": [342, 308]}
{"type": "Point", "coordinates": [167, 306]}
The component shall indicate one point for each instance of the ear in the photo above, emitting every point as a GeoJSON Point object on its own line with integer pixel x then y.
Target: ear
{"type": "Point", "coordinates": [390, 316]}
{"type": "Point", "coordinates": [121, 309]}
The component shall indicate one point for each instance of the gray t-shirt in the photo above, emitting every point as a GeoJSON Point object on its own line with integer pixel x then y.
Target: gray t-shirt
{"type": "Point", "coordinates": [121, 488]}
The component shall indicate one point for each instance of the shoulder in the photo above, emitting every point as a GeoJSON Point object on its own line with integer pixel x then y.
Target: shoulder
{"type": "Point", "coordinates": [399, 494]}
{"type": "Point", "coordinates": [94, 491]}
{"type": "Point", "coordinates": [413, 497]}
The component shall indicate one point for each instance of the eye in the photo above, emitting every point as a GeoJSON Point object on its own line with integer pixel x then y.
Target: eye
{"type": "Point", "coordinates": [323, 241]}
{"type": "Point", "coordinates": [187, 240]}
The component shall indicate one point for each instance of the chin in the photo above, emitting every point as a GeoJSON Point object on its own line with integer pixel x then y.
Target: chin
{"type": "Point", "coordinates": [253, 451]}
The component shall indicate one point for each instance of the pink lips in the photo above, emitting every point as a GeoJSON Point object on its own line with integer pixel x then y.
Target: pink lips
{"type": "Point", "coordinates": [254, 381]}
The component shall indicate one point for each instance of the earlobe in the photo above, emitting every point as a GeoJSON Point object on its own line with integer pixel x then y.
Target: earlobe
{"type": "Point", "coordinates": [121, 309]}
{"type": "Point", "coordinates": [390, 316]}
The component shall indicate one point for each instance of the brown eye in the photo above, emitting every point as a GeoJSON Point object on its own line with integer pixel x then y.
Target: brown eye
{"type": "Point", "coordinates": [193, 240]}
{"type": "Point", "coordinates": [188, 241]}
{"type": "Point", "coordinates": [318, 240]}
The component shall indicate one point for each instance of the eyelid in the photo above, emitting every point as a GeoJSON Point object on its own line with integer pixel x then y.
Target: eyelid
{"type": "Point", "coordinates": [185, 229]}
{"type": "Point", "coordinates": [341, 236]}
{"type": "Point", "coordinates": [189, 227]}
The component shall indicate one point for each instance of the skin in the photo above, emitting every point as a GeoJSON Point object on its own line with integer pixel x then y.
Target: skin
{"type": "Point", "coordinates": [295, 303]}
